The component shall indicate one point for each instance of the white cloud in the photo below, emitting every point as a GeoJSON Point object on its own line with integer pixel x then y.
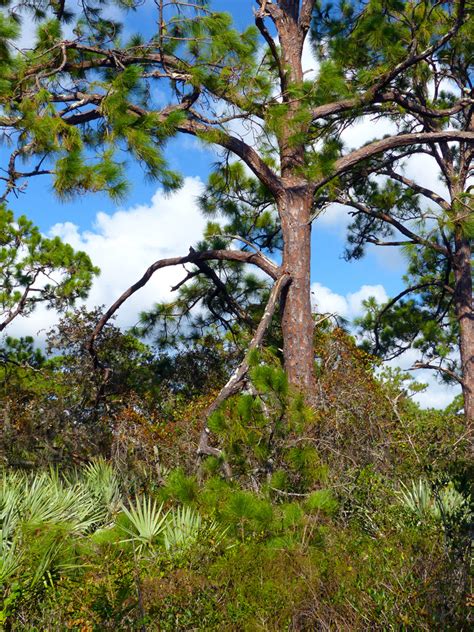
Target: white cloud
{"type": "Point", "coordinates": [348, 306]}
{"type": "Point", "coordinates": [436, 395]}
{"type": "Point", "coordinates": [365, 129]}
{"type": "Point", "coordinates": [123, 245]}
{"type": "Point", "coordinates": [309, 62]}
{"type": "Point", "coordinates": [326, 301]}
{"type": "Point", "coordinates": [336, 218]}
{"type": "Point", "coordinates": [424, 170]}
{"type": "Point", "coordinates": [35, 325]}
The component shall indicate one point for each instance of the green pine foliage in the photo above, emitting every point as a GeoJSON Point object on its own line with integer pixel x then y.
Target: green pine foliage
{"type": "Point", "coordinates": [233, 560]}
{"type": "Point", "coordinates": [354, 510]}
{"type": "Point", "coordinates": [28, 260]}
{"type": "Point", "coordinates": [423, 319]}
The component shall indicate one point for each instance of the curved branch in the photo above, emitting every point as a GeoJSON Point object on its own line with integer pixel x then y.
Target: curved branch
{"type": "Point", "coordinates": [260, 24]}
{"type": "Point", "coordinates": [427, 193]}
{"type": "Point", "coordinates": [391, 96]}
{"type": "Point", "coordinates": [434, 367]}
{"type": "Point", "coordinates": [234, 307]}
{"type": "Point", "coordinates": [385, 217]}
{"type": "Point", "coordinates": [196, 257]}
{"type": "Point", "coordinates": [393, 301]}
{"type": "Point", "coordinates": [237, 146]}
{"type": "Point", "coordinates": [349, 161]}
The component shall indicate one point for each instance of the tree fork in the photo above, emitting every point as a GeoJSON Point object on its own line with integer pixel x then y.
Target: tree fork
{"type": "Point", "coordinates": [194, 256]}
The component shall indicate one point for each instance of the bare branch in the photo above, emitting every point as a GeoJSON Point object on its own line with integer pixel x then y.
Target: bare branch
{"type": "Point", "coordinates": [378, 242]}
{"type": "Point", "coordinates": [193, 257]}
{"type": "Point", "coordinates": [385, 217]}
{"type": "Point", "coordinates": [437, 367]}
{"type": "Point", "coordinates": [349, 161]}
{"type": "Point", "coordinates": [245, 152]}
{"type": "Point", "coordinates": [271, 44]}
{"type": "Point", "coordinates": [221, 288]}
{"type": "Point", "coordinates": [431, 195]}
{"type": "Point", "coordinates": [236, 379]}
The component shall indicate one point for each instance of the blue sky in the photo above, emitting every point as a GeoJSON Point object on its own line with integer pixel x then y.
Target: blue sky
{"type": "Point", "coordinates": [328, 268]}
{"type": "Point", "coordinates": [157, 226]}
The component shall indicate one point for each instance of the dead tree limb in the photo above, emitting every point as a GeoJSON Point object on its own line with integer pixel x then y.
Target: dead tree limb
{"type": "Point", "coordinates": [236, 380]}
{"type": "Point", "coordinates": [196, 257]}
{"type": "Point", "coordinates": [234, 307]}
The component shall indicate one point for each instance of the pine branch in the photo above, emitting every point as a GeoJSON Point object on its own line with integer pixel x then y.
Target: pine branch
{"type": "Point", "coordinates": [414, 58]}
{"type": "Point", "coordinates": [392, 96]}
{"type": "Point", "coordinates": [193, 257]}
{"type": "Point", "coordinates": [346, 163]}
{"type": "Point", "coordinates": [260, 24]}
{"type": "Point", "coordinates": [431, 195]}
{"type": "Point", "coordinates": [391, 303]}
{"type": "Point", "coordinates": [437, 367]}
{"type": "Point", "coordinates": [245, 152]}
{"type": "Point", "coordinates": [385, 217]}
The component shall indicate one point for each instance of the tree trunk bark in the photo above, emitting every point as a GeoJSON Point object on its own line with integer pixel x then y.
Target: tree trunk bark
{"type": "Point", "coordinates": [296, 315]}
{"type": "Point", "coordinates": [465, 315]}
{"type": "Point", "coordinates": [294, 203]}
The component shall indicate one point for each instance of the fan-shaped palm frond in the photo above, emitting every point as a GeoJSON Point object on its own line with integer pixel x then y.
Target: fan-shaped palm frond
{"type": "Point", "coordinates": [182, 529]}
{"type": "Point", "coordinates": [147, 520]}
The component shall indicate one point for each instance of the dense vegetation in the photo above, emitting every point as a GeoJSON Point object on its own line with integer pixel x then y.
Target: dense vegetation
{"type": "Point", "coordinates": [236, 466]}
{"type": "Point", "coordinates": [351, 515]}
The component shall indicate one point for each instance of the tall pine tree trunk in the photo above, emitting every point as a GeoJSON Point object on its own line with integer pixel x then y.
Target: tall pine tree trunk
{"type": "Point", "coordinates": [294, 205]}
{"type": "Point", "coordinates": [296, 313]}
{"type": "Point", "coordinates": [465, 314]}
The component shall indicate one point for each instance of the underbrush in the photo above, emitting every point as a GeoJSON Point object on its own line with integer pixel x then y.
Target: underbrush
{"type": "Point", "coordinates": [352, 514]}
{"type": "Point", "coordinates": [78, 554]}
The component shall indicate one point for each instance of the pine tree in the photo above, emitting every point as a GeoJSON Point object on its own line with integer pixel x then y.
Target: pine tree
{"type": "Point", "coordinates": [89, 96]}
{"type": "Point", "coordinates": [434, 313]}
{"type": "Point", "coordinates": [37, 270]}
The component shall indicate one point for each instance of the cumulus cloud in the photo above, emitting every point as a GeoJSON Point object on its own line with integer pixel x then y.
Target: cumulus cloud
{"type": "Point", "coordinates": [365, 129]}
{"type": "Point", "coordinates": [436, 395]}
{"type": "Point", "coordinates": [335, 218]}
{"type": "Point", "coordinates": [123, 245]}
{"type": "Point", "coordinates": [348, 306]}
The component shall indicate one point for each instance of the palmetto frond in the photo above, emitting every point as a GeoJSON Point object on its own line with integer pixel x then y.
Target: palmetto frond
{"type": "Point", "coordinates": [147, 520]}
